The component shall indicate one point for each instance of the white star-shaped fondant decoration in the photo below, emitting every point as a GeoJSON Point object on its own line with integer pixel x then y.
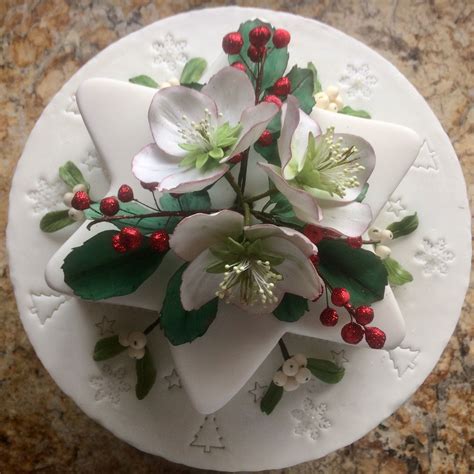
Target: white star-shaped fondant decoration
{"type": "Point", "coordinates": [395, 206]}
{"type": "Point", "coordinates": [215, 367]}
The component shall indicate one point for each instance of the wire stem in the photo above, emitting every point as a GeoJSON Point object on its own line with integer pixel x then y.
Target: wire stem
{"type": "Point", "coordinates": [284, 349]}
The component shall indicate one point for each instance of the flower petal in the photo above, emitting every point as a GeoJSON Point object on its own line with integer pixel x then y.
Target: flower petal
{"type": "Point", "coordinates": [351, 219]}
{"type": "Point", "coordinates": [151, 164]}
{"type": "Point", "coordinates": [166, 113]}
{"type": "Point", "coordinates": [290, 118]}
{"type": "Point", "coordinates": [198, 232]}
{"type": "Point", "coordinates": [232, 92]}
{"type": "Point", "coordinates": [305, 206]}
{"type": "Point", "coordinates": [187, 180]}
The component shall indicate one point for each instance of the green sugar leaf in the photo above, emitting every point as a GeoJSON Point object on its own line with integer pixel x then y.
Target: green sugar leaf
{"type": "Point", "coordinates": [291, 308]}
{"type": "Point", "coordinates": [363, 193]}
{"type": "Point", "coordinates": [71, 175]}
{"type": "Point", "coordinates": [397, 275]}
{"type": "Point", "coordinates": [193, 71]}
{"type": "Point", "coordinates": [271, 398]}
{"type": "Point", "coordinates": [356, 113]}
{"type": "Point", "coordinates": [144, 80]}
{"type": "Point", "coordinates": [55, 220]}
{"type": "Point", "coordinates": [107, 347]}
{"type": "Point", "coordinates": [317, 87]}
{"type": "Point", "coordinates": [326, 370]}
{"type": "Point", "coordinates": [146, 375]}
{"type": "Point", "coordinates": [404, 227]}
{"type": "Point", "coordinates": [302, 87]}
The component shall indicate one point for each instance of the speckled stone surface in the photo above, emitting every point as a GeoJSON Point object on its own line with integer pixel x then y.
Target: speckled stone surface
{"type": "Point", "coordinates": [44, 42]}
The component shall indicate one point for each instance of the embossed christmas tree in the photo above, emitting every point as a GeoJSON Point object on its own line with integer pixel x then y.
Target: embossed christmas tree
{"type": "Point", "coordinates": [208, 435]}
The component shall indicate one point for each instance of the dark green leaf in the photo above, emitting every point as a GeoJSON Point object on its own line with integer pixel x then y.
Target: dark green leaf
{"type": "Point", "coordinates": [326, 370]}
{"type": "Point", "coordinates": [146, 375]}
{"type": "Point", "coordinates": [291, 308]}
{"type": "Point", "coordinates": [144, 80]}
{"type": "Point", "coordinates": [181, 326]}
{"type": "Point", "coordinates": [302, 87]}
{"type": "Point", "coordinates": [107, 347]}
{"type": "Point", "coordinates": [276, 62]}
{"type": "Point", "coordinates": [283, 210]}
{"type": "Point", "coordinates": [361, 272]}
{"type": "Point", "coordinates": [317, 84]}
{"type": "Point", "coordinates": [397, 275]}
{"type": "Point", "coordinates": [356, 113]}
{"type": "Point", "coordinates": [55, 220]}
{"type": "Point", "coordinates": [96, 271]}
{"type": "Point", "coordinates": [71, 175]}
{"type": "Point", "coordinates": [271, 398]}
{"type": "Point", "coordinates": [404, 227]}
{"type": "Point", "coordinates": [194, 85]}
{"type": "Point", "coordinates": [363, 193]}
{"type": "Point", "coordinates": [193, 71]}
{"type": "Point", "coordinates": [270, 153]}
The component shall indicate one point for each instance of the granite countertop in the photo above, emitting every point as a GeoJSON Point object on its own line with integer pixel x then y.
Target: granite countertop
{"type": "Point", "coordinates": [43, 42]}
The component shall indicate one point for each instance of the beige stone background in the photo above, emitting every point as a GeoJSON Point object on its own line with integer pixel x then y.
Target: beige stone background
{"type": "Point", "coordinates": [43, 42]}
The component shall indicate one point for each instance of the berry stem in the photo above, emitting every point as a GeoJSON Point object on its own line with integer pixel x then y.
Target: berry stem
{"type": "Point", "coordinates": [156, 201]}
{"type": "Point", "coordinates": [270, 192]}
{"type": "Point", "coordinates": [145, 205]}
{"type": "Point", "coordinates": [243, 170]}
{"type": "Point", "coordinates": [284, 349]}
{"type": "Point", "coordinates": [152, 325]}
{"type": "Point", "coordinates": [248, 67]}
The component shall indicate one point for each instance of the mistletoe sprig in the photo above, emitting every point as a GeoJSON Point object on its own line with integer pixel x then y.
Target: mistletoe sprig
{"type": "Point", "coordinates": [273, 252]}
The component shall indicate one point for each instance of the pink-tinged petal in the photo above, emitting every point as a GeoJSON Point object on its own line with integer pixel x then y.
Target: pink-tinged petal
{"type": "Point", "coordinates": [290, 117]}
{"type": "Point", "coordinates": [198, 232]}
{"type": "Point", "coordinates": [166, 113]}
{"type": "Point", "coordinates": [263, 231]}
{"type": "Point", "coordinates": [254, 120]}
{"type": "Point", "coordinates": [304, 205]}
{"type": "Point", "coordinates": [299, 275]}
{"type": "Point", "coordinates": [232, 92]}
{"type": "Point", "coordinates": [198, 287]}
{"type": "Point", "coordinates": [187, 180]}
{"type": "Point", "coordinates": [351, 219]}
{"type": "Point", "coordinates": [151, 164]}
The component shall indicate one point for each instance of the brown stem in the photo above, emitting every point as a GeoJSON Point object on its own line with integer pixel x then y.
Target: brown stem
{"type": "Point", "coordinates": [257, 197]}
{"type": "Point", "coordinates": [243, 171]}
{"type": "Point", "coordinates": [152, 325]}
{"type": "Point", "coordinates": [231, 180]}
{"type": "Point", "coordinates": [284, 349]}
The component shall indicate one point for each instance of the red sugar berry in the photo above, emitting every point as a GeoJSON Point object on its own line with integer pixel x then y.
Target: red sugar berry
{"type": "Point", "coordinates": [256, 54]}
{"type": "Point", "coordinates": [315, 259]}
{"type": "Point", "coordinates": [329, 317]}
{"type": "Point", "coordinates": [232, 43]}
{"type": "Point", "coordinates": [259, 36]}
{"type": "Point", "coordinates": [131, 238]}
{"type": "Point", "coordinates": [352, 333]}
{"type": "Point", "coordinates": [109, 206]}
{"type": "Point", "coordinates": [364, 315]}
{"type": "Point", "coordinates": [125, 193]}
{"type": "Point", "coordinates": [273, 99]}
{"type": "Point", "coordinates": [354, 242]}
{"type": "Point", "coordinates": [375, 337]}
{"type": "Point", "coordinates": [159, 241]}
{"type": "Point", "coordinates": [281, 38]}
{"type": "Point", "coordinates": [240, 66]}
{"type": "Point", "coordinates": [340, 296]}
{"type": "Point", "coordinates": [81, 201]}
{"type": "Point", "coordinates": [315, 234]}
{"type": "Point", "coordinates": [282, 86]}
{"type": "Point", "coordinates": [117, 243]}
{"type": "Point", "coordinates": [149, 186]}
{"type": "Point", "coordinates": [236, 158]}
{"type": "Point", "coordinates": [266, 138]}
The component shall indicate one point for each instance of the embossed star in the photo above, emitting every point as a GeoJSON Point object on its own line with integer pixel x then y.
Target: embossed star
{"type": "Point", "coordinates": [173, 380]}
{"type": "Point", "coordinates": [105, 326]}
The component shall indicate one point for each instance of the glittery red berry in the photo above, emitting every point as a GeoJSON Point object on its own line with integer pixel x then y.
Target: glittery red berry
{"type": "Point", "coordinates": [236, 158]}
{"type": "Point", "coordinates": [352, 333]}
{"type": "Point", "coordinates": [259, 36]}
{"type": "Point", "coordinates": [159, 241]}
{"type": "Point", "coordinates": [282, 86]}
{"type": "Point", "coordinates": [109, 206]}
{"type": "Point", "coordinates": [315, 234]}
{"type": "Point", "coordinates": [364, 315]}
{"type": "Point", "coordinates": [149, 186]}
{"type": "Point", "coordinates": [281, 38]}
{"type": "Point", "coordinates": [81, 201]}
{"type": "Point", "coordinates": [273, 99]}
{"type": "Point", "coordinates": [256, 54]}
{"type": "Point", "coordinates": [375, 337]}
{"type": "Point", "coordinates": [131, 237]}
{"type": "Point", "coordinates": [125, 193]}
{"type": "Point", "coordinates": [117, 243]}
{"type": "Point", "coordinates": [354, 242]}
{"type": "Point", "coordinates": [232, 43]}
{"type": "Point", "coordinates": [340, 296]}
{"type": "Point", "coordinates": [329, 317]}
{"type": "Point", "coordinates": [315, 259]}
{"type": "Point", "coordinates": [266, 138]}
{"type": "Point", "coordinates": [240, 66]}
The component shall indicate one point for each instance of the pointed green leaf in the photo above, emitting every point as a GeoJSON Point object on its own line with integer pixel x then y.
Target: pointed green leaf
{"type": "Point", "coordinates": [363, 193]}
{"type": "Point", "coordinates": [404, 227]}
{"type": "Point", "coordinates": [107, 347]}
{"type": "Point", "coordinates": [317, 84]}
{"type": "Point", "coordinates": [193, 71]}
{"type": "Point", "coordinates": [71, 175]}
{"type": "Point", "coordinates": [302, 87]}
{"type": "Point", "coordinates": [397, 275]}
{"type": "Point", "coordinates": [270, 152]}
{"type": "Point", "coordinates": [144, 80]}
{"type": "Point", "coordinates": [356, 113]}
{"type": "Point", "coordinates": [194, 85]}
{"type": "Point", "coordinates": [146, 375]}
{"type": "Point", "coordinates": [326, 370]}
{"type": "Point", "coordinates": [271, 398]}
{"type": "Point", "coordinates": [55, 220]}
{"type": "Point", "coordinates": [291, 308]}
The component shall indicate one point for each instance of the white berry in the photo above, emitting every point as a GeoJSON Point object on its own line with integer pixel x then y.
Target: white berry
{"type": "Point", "coordinates": [375, 234]}
{"type": "Point", "coordinates": [383, 251]}
{"type": "Point", "coordinates": [136, 353]}
{"type": "Point", "coordinates": [321, 95]}
{"type": "Point", "coordinates": [303, 375]}
{"type": "Point", "coordinates": [301, 359]}
{"type": "Point", "coordinates": [78, 188]}
{"type": "Point", "coordinates": [332, 92]}
{"type": "Point", "coordinates": [137, 340]}
{"type": "Point", "coordinates": [322, 102]}
{"type": "Point", "coordinates": [290, 367]}
{"type": "Point", "coordinates": [76, 215]}
{"type": "Point", "coordinates": [332, 107]}
{"type": "Point", "coordinates": [174, 81]}
{"type": "Point", "coordinates": [123, 339]}
{"type": "Point", "coordinates": [67, 199]}
{"type": "Point", "coordinates": [338, 101]}
{"type": "Point", "coordinates": [165, 85]}
{"type": "Point", "coordinates": [386, 236]}
{"type": "Point", "coordinates": [280, 379]}
{"type": "Point", "coordinates": [291, 384]}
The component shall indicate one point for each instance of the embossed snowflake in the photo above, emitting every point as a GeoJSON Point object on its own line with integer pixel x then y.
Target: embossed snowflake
{"type": "Point", "coordinates": [47, 195]}
{"type": "Point", "coordinates": [311, 419]}
{"type": "Point", "coordinates": [358, 81]}
{"type": "Point", "coordinates": [110, 384]}
{"type": "Point", "coordinates": [170, 52]}
{"type": "Point", "coordinates": [435, 257]}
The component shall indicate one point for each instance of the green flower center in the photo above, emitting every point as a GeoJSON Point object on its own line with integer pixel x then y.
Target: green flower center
{"type": "Point", "coordinates": [206, 145]}
{"type": "Point", "coordinates": [328, 166]}
{"type": "Point", "coordinates": [248, 269]}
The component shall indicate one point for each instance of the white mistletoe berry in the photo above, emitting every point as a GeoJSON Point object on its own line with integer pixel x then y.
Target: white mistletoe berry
{"type": "Point", "coordinates": [339, 102]}
{"type": "Point", "coordinates": [79, 188]}
{"type": "Point", "coordinates": [291, 385]}
{"type": "Point", "coordinates": [280, 379]}
{"type": "Point", "coordinates": [375, 234]}
{"type": "Point", "coordinates": [332, 92]}
{"type": "Point", "coordinates": [386, 236]}
{"type": "Point", "coordinates": [383, 251]}
{"type": "Point", "coordinates": [303, 375]}
{"type": "Point", "coordinates": [332, 107]}
{"type": "Point", "coordinates": [300, 359]}
{"type": "Point", "coordinates": [76, 215]}
{"type": "Point", "coordinates": [174, 81]}
{"type": "Point", "coordinates": [290, 367]}
{"type": "Point", "coordinates": [137, 340]}
{"type": "Point", "coordinates": [322, 100]}
{"type": "Point", "coordinates": [136, 353]}
{"type": "Point", "coordinates": [67, 199]}
{"type": "Point", "coordinates": [165, 85]}
{"type": "Point", "coordinates": [123, 339]}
